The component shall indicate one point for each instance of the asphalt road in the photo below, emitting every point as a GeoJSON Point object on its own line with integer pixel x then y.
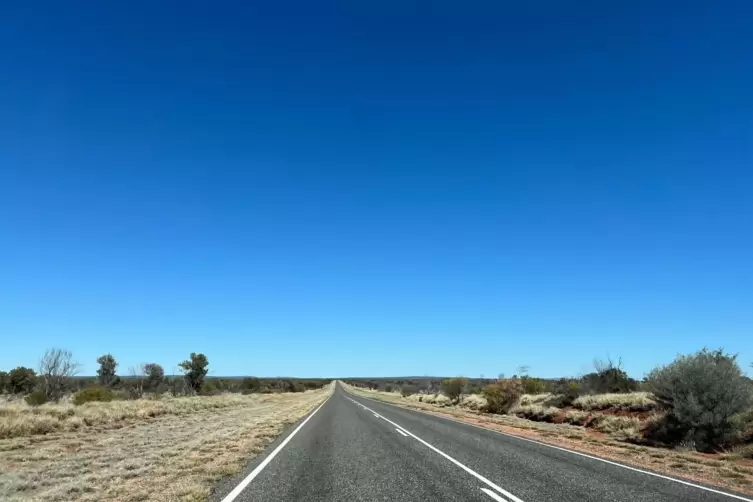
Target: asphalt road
{"type": "Point", "coordinates": [357, 449]}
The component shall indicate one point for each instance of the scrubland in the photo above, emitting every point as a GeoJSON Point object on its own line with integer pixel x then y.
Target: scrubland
{"type": "Point", "coordinates": [171, 449]}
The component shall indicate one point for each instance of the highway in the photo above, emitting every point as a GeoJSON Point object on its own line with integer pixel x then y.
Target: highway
{"type": "Point", "coordinates": [357, 449]}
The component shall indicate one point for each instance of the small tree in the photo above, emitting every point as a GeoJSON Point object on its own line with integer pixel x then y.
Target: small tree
{"type": "Point", "coordinates": [155, 376]}
{"type": "Point", "coordinates": [705, 395]}
{"type": "Point", "coordinates": [55, 368]}
{"type": "Point", "coordinates": [454, 387]}
{"type": "Point", "coordinates": [106, 371]}
{"type": "Point", "coordinates": [502, 395]}
{"type": "Point", "coordinates": [195, 370]}
{"type": "Point", "coordinates": [21, 380]}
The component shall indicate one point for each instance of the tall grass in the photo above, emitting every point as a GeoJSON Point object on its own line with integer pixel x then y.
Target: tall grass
{"type": "Point", "coordinates": [633, 401]}
{"type": "Point", "coordinates": [20, 419]}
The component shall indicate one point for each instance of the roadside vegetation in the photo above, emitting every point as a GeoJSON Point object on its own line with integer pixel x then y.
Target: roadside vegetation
{"type": "Point", "coordinates": [139, 436]}
{"type": "Point", "coordinates": [699, 402]}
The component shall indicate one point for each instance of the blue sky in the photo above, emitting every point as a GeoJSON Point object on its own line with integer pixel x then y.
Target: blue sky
{"type": "Point", "coordinates": [389, 188]}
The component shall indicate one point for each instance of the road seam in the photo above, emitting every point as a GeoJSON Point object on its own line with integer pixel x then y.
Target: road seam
{"type": "Point", "coordinates": [440, 452]}
{"type": "Point", "coordinates": [245, 482]}
{"type": "Point", "coordinates": [687, 483]}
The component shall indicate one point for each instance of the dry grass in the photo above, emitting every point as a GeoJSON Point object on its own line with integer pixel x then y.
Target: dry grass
{"type": "Point", "coordinates": [434, 399]}
{"type": "Point", "coordinates": [20, 419]}
{"type": "Point", "coordinates": [473, 402]}
{"type": "Point", "coordinates": [543, 399]}
{"type": "Point", "coordinates": [174, 454]}
{"type": "Point", "coordinates": [536, 412]}
{"type": "Point", "coordinates": [633, 401]}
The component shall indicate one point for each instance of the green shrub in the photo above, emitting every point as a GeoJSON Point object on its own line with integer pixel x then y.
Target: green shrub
{"type": "Point", "coordinates": [93, 394]}
{"type": "Point", "coordinates": [21, 380]}
{"type": "Point", "coordinates": [454, 387]}
{"type": "Point", "coordinates": [532, 385]}
{"type": "Point", "coordinates": [407, 390]}
{"type": "Point", "coordinates": [705, 395]}
{"type": "Point", "coordinates": [609, 377]}
{"type": "Point", "coordinates": [501, 396]}
{"type": "Point", "coordinates": [567, 390]}
{"type": "Point", "coordinates": [36, 398]}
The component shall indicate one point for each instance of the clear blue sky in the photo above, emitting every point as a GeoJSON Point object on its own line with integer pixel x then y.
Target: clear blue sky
{"type": "Point", "coordinates": [379, 188]}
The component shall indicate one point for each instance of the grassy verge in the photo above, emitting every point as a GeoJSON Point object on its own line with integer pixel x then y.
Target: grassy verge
{"type": "Point", "coordinates": [174, 454]}
{"type": "Point", "coordinates": [730, 471]}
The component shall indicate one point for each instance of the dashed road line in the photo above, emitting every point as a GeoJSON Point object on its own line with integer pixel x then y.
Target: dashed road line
{"type": "Point", "coordinates": [443, 454]}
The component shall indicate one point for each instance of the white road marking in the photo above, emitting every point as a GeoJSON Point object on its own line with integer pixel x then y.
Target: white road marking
{"type": "Point", "coordinates": [376, 415]}
{"type": "Point", "coordinates": [493, 495]}
{"type": "Point", "coordinates": [686, 483]}
{"type": "Point", "coordinates": [440, 452]}
{"type": "Point", "coordinates": [400, 431]}
{"type": "Point", "coordinates": [243, 484]}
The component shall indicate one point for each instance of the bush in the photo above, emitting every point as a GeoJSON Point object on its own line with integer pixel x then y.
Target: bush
{"type": "Point", "coordinates": [21, 380]}
{"type": "Point", "coordinates": [93, 394]}
{"type": "Point", "coordinates": [36, 398]}
{"type": "Point", "coordinates": [705, 395]}
{"type": "Point", "coordinates": [454, 387]}
{"type": "Point", "coordinates": [407, 390]}
{"type": "Point", "coordinates": [568, 390]}
{"type": "Point", "coordinates": [532, 385]}
{"type": "Point", "coordinates": [609, 377]}
{"type": "Point", "coordinates": [502, 395]}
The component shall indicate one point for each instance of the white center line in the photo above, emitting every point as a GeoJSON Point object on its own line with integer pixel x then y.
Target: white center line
{"type": "Point", "coordinates": [401, 432]}
{"type": "Point", "coordinates": [440, 452]}
{"type": "Point", "coordinates": [493, 495]}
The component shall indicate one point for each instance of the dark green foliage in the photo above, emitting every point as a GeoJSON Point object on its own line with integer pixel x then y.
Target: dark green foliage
{"type": "Point", "coordinates": [21, 380]}
{"type": "Point", "coordinates": [93, 394]}
{"type": "Point", "coordinates": [388, 388]}
{"type": "Point", "coordinates": [154, 377]}
{"type": "Point", "coordinates": [36, 398]}
{"type": "Point", "coordinates": [106, 371]}
{"type": "Point", "coordinates": [705, 395]}
{"type": "Point", "coordinates": [408, 390]}
{"type": "Point", "coordinates": [195, 370]}
{"type": "Point", "coordinates": [609, 377]}
{"type": "Point", "coordinates": [4, 382]}
{"type": "Point", "coordinates": [250, 385]}
{"type": "Point", "coordinates": [568, 389]}
{"type": "Point", "coordinates": [502, 395]}
{"type": "Point", "coordinates": [454, 387]}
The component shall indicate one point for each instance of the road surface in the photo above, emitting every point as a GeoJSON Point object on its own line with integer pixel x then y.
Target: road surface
{"type": "Point", "coordinates": [357, 449]}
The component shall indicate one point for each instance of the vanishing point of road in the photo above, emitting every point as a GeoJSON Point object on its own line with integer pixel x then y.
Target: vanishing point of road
{"type": "Point", "coordinates": [357, 449]}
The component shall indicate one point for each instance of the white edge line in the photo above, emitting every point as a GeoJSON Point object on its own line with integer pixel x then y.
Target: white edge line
{"type": "Point", "coordinates": [401, 432]}
{"type": "Point", "coordinates": [440, 452]}
{"type": "Point", "coordinates": [687, 483]}
{"type": "Point", "coordinates": [493, 495]}
{"type": "Point", "coordinates": [243, 484]}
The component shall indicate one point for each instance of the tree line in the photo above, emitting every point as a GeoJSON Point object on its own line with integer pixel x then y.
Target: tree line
{"type": "Point", "coordinates": [57, 375]}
